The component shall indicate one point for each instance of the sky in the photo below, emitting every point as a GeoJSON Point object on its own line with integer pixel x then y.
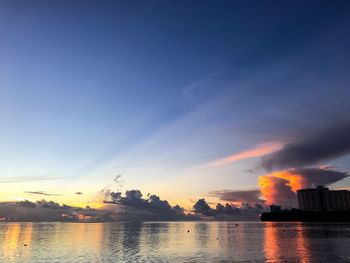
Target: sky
{"type": "Point", "coordinates": [184, 99]}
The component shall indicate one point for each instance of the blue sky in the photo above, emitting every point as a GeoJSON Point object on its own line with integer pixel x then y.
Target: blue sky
{"type": "Point", "coordinates": [151, 89]}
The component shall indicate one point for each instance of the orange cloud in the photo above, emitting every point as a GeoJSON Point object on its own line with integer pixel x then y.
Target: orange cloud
{"type": "Point", "coordinates": [279, 186]}
{"type": "Point", "coordinates": [258, 151]}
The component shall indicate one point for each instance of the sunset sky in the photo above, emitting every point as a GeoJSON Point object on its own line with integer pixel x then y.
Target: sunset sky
{"type": "Point", "coordinates": [182, 100]}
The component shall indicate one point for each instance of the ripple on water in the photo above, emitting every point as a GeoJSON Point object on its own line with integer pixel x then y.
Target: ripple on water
{"type": "Point", "coordinates": [174, 242]}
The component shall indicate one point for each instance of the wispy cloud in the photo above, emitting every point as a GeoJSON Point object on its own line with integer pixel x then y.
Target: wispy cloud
{"type": "Point", "coordinates": [27, 179]}
{"type": "Point", "coordinates": [41, 193]}
{"type": "Point", "coordinates": [258, 151]}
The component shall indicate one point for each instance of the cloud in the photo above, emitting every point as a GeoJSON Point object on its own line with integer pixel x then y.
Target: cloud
{"type": "Point", "coordinates": [78, 193]}
{"type": "Point", "coordinates": [277, 190]}
{"type": "Point", "coordinates": [118, 182]}
{"type": "Point", "coordinates": [202, 207]}
{"type": "Point", "coordinates": [280, 187]}
{"type": "Point", "coordinates": [258, 151]}
{"type": "Point", "coordinates": [40, 193]}
{"type": "Point", "coordinates": [116, 178]}
{"type": "Point", "coordinates": [49, 211]}
{"type": "Point", "coordinates": [133, 205]}
{"type": "Point", "coordinates": [252, 153]}
{"type": "Point", "coordinates": [27, 179]}
{"type": "Point", "coordinates": [323, 146]}
{"type": "Point", "coordinates": [227, 211]}
{"type": "Point", "coordinates": [244, 196]}
{"type": "Point", "coordinates": [118, 207]}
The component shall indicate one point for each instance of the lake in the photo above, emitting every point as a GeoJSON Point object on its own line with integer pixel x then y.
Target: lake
{"type": "Point", "coordinates": [174, 242]}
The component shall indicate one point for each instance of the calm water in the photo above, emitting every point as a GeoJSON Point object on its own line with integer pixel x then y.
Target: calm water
{"type": "Point", "coordinates": [170, 242]}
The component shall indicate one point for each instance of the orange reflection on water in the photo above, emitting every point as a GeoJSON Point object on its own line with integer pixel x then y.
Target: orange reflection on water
{"type": "Point", "coordinates": [271, 245]}
{"type": "Point", "coordinates": [16, 239]}
{"type": "Point", "coordinates": [285, 242]}
{"type": "Point", "coordinates": [86, 235]}
{"type": "Point", "coordinates": [302, 244]}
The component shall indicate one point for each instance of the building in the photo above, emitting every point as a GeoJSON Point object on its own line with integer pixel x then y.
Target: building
{"type": "Point", "coordinates": [323, 199]}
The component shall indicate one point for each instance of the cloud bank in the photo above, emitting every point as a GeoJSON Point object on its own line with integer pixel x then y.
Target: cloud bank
{"type": "Point", "coordinates": [49, 211]}
{"type": "Point", "coordinates": [133, 205]}
{"type": "Point", "coordinates": [327, 145]}
{"type": "Point", "coordinates": [228, 211]}
{"type": "Point", "coordinates": [128, 207]}
{"type": "Point", "coordinates": [244, 196]}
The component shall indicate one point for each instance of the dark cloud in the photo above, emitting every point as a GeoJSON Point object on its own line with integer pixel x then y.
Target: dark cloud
{"type": "Point", "coordinates": [152, 208]}
{"type": "Point", "coordinates": [40, 193]}
{"type": "Point", "coordinates": [318, 176]}
{"type": "Point", "coordinates": [107, 192]}
{"type": "Point", "coordinates": [49, 211]}
{"type": "Point", "coordinates": [78, 193]}
{"type": "Point", "coordinates": [116, 178]}
{"type": "Point", "coordinates": [26, 203]}
{"type": "Point", "coordinates": [323, 146]}
{"type": "Point", "coordinates": [244, 196]}
{"type": "Point", "coordinates": [227, 211]}
{"type": "Point", "coordinates": [129, 207]}
{"type": "Point", "coordinates": [202, 207]}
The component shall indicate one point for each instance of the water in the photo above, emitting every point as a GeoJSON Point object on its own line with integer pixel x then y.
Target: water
{"type": "Point", "coordinates": [170, 242]}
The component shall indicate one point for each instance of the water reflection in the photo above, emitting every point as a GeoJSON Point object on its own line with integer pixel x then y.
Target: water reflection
{"type": "Point", "coordinates": [87, 235]}
{"type": "Point", "coordinates": [174, 241]}
{"type": "Point", "coordinates": [15, 237]}
{"type": "Point", "coordinates": [272, 246]}
{"type": "Point", "coordinates": [302, 245]}
{"type": "Point", "coordinates": [131, 239]}
{"type": "Point", "coordinates": [291, 241]}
